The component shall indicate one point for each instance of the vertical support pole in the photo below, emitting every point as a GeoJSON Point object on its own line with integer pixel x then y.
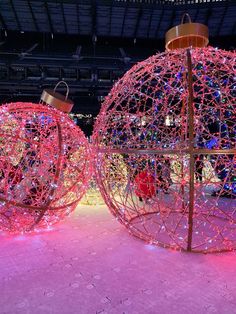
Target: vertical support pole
{"type": "Point", "coordinates": [183, 139]}
{"type": "Point", "coordinates": [191, 149]}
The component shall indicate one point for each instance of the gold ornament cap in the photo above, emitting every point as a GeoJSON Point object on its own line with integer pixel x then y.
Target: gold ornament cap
{"type": "Point", "coordinates": [187, 35]}
{"type": "Point", "coordinates": [57, 100]}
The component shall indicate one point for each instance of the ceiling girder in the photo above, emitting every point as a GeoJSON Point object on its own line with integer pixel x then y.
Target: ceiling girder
{"type": "Point", "coordinates": [33, 16]}
{"type": "Point", "coordinates": [15, 15]}
{"type": "Point", "coordinates": [49, 18]}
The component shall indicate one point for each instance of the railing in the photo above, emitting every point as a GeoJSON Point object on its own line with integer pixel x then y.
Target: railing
{"type": "Point", "coordinates": [173, 2]}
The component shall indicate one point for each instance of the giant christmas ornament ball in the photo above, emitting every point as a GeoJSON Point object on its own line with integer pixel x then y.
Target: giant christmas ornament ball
{"type": "Point", "coordinates": [44, 166]}
{"type": "Point", "coordinates": [165, 141]}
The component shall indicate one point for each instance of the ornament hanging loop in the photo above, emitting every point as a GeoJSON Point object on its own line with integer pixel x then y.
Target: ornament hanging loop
{"type": "Point", "coordinates": [186, 15]}
{"type": "Point", "coordinates": [67, 88]}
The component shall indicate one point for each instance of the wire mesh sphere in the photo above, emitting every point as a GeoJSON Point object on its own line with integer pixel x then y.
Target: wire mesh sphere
{"type": "Point", "coordinates": [165, 141]}
{"type": "Point", "coordinates": [44, 166]}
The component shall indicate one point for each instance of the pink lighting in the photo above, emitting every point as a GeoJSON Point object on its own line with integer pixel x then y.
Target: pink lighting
{"type": "Point", "coordinates": [166, 145]}
{"type": "Point", "coordinates": [44, 166]}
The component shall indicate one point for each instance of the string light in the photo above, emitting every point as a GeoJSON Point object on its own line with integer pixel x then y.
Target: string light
{"type": "Point", "coordinates": [80, 115]}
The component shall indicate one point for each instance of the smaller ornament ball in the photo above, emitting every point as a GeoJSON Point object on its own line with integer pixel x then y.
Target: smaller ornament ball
{"type": "Point", "coordinates": [44, 166]}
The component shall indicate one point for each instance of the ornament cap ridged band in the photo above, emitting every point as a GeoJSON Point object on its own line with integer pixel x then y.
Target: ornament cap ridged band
{"type": "Point", "coordinates": [57, 100]}
{"type": "Point", "coordinates": [187, 35]}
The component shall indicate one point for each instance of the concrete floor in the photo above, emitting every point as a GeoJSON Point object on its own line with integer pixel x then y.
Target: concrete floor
{"type": "Point", "coordinates": [90, 264]}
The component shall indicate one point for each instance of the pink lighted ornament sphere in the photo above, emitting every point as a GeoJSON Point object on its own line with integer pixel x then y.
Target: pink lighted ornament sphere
{"type": "Point", "coordinates": [166, 144]}
{"type": "Point", "coordinates": [44, 166]}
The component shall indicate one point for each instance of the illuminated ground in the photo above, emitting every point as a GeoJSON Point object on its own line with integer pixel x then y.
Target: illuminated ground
{"type": "Point", "coordinates": [90, 264]}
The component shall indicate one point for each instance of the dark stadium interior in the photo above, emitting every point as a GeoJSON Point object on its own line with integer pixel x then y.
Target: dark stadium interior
{"type": "Point", "coordinates": [90, 44]}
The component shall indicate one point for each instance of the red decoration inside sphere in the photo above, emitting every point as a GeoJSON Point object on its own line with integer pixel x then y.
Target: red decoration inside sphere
{"type": "Point", "coordinates": [44, 166]}
{"type": "Point", "coordinates": [145, 184]}
{"type": "Point", "coordinates": [166, 146]}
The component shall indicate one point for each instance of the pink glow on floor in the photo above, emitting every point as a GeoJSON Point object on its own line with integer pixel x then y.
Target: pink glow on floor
{"type": "Point", "coordinates": [90, 264]}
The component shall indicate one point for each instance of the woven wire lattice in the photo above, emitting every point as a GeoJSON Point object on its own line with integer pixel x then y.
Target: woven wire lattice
{"type": "Point", "coordinates": [165, 141]}
{"type": "Point", "coordinates": [44, 166]}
